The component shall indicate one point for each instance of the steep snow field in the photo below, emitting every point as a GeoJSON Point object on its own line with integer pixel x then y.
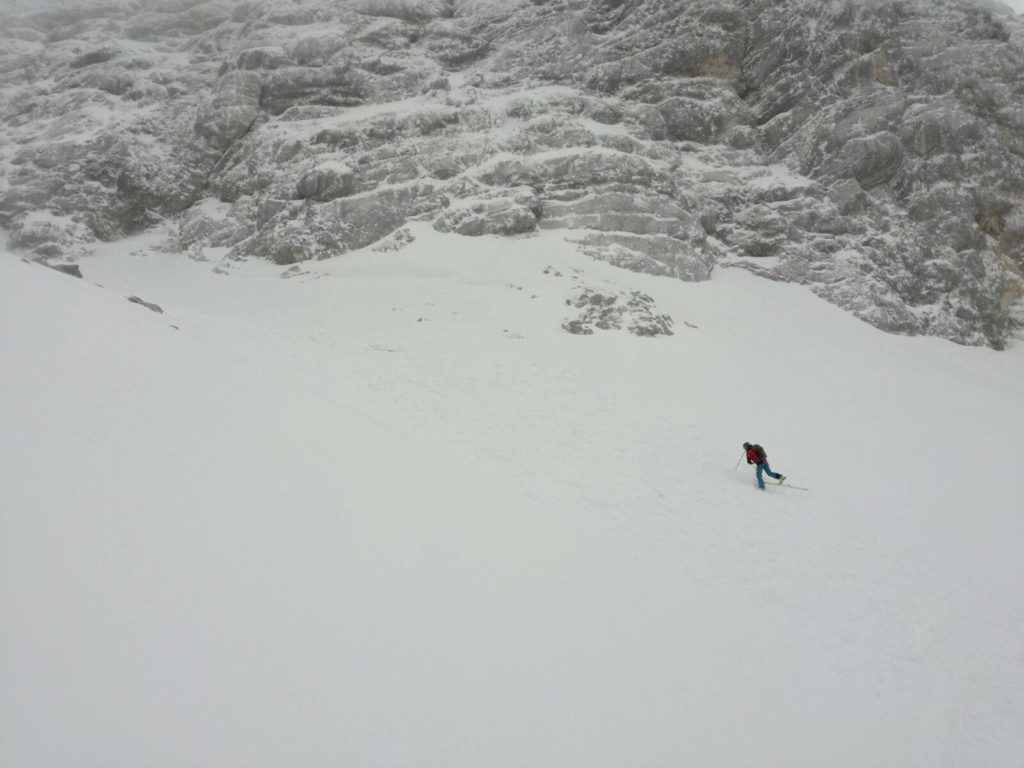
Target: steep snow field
{"type": "Point", "coordinates": [388, 513]}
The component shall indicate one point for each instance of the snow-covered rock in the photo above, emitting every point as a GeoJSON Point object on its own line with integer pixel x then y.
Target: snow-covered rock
{"type": "Point", "coordinates": [608, 310]}
{"type": "Point", "coordinates": [232, 109]}
{"type": "Point", "coordinates": [500, 216]}
{"type": "Point", "coordinates": [873, 150]}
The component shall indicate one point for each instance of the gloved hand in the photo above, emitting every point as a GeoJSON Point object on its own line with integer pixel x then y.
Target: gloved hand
{"type": "Point", "coordinates": [749, 461]}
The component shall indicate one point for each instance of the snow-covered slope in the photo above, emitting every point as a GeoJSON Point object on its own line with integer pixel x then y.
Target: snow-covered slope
{"type": "Point", "coordinates": [386, 512]}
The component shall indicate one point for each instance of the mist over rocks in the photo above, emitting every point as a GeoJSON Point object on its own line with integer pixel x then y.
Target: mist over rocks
{"type": "Point", "coordinates": [873, 151]}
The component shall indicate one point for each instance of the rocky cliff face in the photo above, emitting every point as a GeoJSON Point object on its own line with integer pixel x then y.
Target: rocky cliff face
{"type": "Point", "coordinates": [873, 151]}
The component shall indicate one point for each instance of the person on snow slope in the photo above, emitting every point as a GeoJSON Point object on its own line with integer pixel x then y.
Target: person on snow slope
{"type": "Point", "coordinates": [757, 456]}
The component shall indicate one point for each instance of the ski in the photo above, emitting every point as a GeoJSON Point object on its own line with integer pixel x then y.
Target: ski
{"type": "Point", "coordinates": [787, 485]}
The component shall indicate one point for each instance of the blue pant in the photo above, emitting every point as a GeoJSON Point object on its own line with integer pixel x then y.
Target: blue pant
{"type": "Point", "coordinates": [765, 468]}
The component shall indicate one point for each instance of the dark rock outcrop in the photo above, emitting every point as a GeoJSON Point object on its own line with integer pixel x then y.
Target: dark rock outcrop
{"type": "Point", "coordinates": [148, 305]}
{"type": "Point", "coordinates": [68, 269]}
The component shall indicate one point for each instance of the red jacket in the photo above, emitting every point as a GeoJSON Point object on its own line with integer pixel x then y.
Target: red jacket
{"type": "Point", "coordinates": [753, 456]}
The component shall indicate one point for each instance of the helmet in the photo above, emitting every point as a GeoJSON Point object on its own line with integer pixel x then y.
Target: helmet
{"type": "Point", "coordinates": [747, 446]}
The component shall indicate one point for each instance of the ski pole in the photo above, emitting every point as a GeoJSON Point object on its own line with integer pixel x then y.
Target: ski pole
{"type": "Point", "coordinates": [738, 462]}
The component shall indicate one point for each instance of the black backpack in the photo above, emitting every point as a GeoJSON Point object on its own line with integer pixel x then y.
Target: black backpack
{"type": "Point", "coordinates": [759, 455]}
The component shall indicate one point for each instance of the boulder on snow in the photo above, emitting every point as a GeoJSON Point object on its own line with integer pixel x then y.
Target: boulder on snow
{"type": "Point", "coordinates": [148, 305]}
{"type": "Point", "coordinates": [67, 269]}
{"type": "Point", "coordinates": [609, 309]}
